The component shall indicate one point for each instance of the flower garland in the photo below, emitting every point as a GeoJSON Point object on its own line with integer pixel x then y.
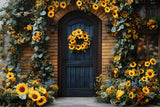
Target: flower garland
{"type": "Point", "coordinates": [79, 35]}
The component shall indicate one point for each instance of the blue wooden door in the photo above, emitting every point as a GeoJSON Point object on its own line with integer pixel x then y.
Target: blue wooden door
{"type": "Point", "coordinates": [79, 69]}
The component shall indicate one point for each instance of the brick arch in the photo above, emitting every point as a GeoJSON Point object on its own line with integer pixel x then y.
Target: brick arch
{"type": "Point", "coordinates": [62, 12]}
{"type": "Point", "coordinates": [107, 40]}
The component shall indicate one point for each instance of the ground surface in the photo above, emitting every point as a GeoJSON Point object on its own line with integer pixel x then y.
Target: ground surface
{"type": "Point", "coordinates": [82, 102]}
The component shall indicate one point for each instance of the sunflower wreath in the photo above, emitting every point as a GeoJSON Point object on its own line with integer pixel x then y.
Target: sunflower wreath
{"type": "Point", "coordinates": [79, 40]}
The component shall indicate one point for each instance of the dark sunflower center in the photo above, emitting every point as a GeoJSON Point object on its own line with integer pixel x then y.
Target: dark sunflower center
{"type": "Point", "coordinates": [10, 76]}
{"type": "Point", "coordinates": [145, 90]}
{"type": "Point", "coordinates": [35, 96]}
{"type": "Point", "coordinates": [22, 89]}
{"type": "Point", "coordinates": [50, 13]}
{"type": "Point", "coordinates": [41, 100]}
{"type": "Point", "coordinates": [153, 61]}
{"type": "Point", "coordinates": [150, 73]}
{"type": "Point", "coordinates": [62, 4]}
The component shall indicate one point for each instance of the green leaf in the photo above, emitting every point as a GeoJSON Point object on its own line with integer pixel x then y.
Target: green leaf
{"type": "Point", "coordinates": [113, 29]}
{"type": "Point", "coordinates": [36, 48]}
{"type": "Point", "coordinates": [117, 45]}
{"type": "Point", "coordinates": [132, 47]}
{"type": "Point", "coordinates": [43, 75]}
{"type": "Point", "coordinates": [40, 56]}
{"type": "Point", "coordinates": [47, 38]}
{"type": "Point", "coordinates": [33, 42]}
{"type": "Point", "coordinates": [120, 27]}
{"type": "Point", "coordinates": [47, 68]}
{"type": "Point", "coordinates": [22, 97]}
{"type": "Point", "coordinates": [52, 74]}
{"type": "Point", "coordinates": [43, 13]}
{"type": "Point", "coordinates": [123, 103]}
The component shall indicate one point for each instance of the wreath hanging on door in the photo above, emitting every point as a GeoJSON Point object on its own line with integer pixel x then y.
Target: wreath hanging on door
{"type": "Point", "coordinates": [79, 40]}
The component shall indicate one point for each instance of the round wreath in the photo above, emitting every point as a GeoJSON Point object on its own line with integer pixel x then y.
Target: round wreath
{"type": "Point", "coordinates": [79, 40]}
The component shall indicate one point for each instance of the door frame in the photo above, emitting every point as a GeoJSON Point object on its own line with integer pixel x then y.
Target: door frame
{"type": "Point", "coordinates": [64, 19]}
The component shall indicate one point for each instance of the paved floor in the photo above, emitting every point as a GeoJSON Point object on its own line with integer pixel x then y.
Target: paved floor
{"type": "Point", "coordinates": [82, 102]}
{"type": "Point", "coordinates": [79, 102]}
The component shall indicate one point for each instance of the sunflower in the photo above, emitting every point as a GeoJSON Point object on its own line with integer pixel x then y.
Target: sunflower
{"type": "Point", "coordinates": [79, 3]}
{"type": "Point", "coordinates": [147, 63]}
{"type": "Point", "coordinates": [82, 46]}
{"type": "Point", "coordinates": [131, 95]}
{"type": "Point", "coordinates": [115, 8]}
{"type": "Point", "coordinates": [102, 87]}
{"type": "Point", "coordinates": [86, 39]}
{"type": "Point", "coordinates": [30, 89]}
{"type": "Point", "coordinates": [135, 37]}
{"type": "Point", "coordinates": [154, 80]}
{"type": "Point", "coordinates": [117, 57]}
{"type": "Point", "coordinates": [89, 42]}
{"type": "Point", "coordinates": [146, 90]}
{"type": "Point", "coordinates": [22, 88]}
{"type": "Point", "coordinates": [34, 95]}
{"type": "Point", "coordinates": [78, 47]}
{"type": "Point", "coordinates": [56, 4]}
{"type": "Point", "coordinates": [141, 71]}
{"type": "Point", "coordinates": [115, 75]}
{"type": "Point", "coordinates": [10, 75]}
{"type": "Point", "coordinates": [71, 47]}
{"type": "Point", "coordinates": [124, 15]}
{"type": "Point", "coordinates": [127, 36]}
{"type": "Point", "coordinates": [153, 61]}
{"type": "Point", "coordinates": [50, 14]}
{"type": "Point", "coordinates": [72, 41]}
{"type": "Point", "coordinates": [144, 78]}
{"type": "Point", "coordinates": [74, 33]}
{"type": "Point", "coordinates": [85, 35]}
{"type": "Point", "coordinates": [3, 68]}
{"type": "Point", "coordinates": [128, 83]}
{"type": "Point", "coordinates": [50, 8]}
{"type": "Point", "coordinates": [29, 27]}
{"type": "Point", "coordinates": [107, 9]}
{"type": "Point", "coordinates": [119, 94]}
{"type": "Point", "coordinates": [80, 36]}
{"type": "Point", "coordinates": [131, 73]}
{"type": "Point", "coordinates": [133, 64]}
{"type": "Point", "coordinates": [41, 101]}
{"type": "Point", "coordinates": [150, 73]}
{"type": "Point", "coordinates": [103, 4]}
{"type": "Point", "coordinates": [42, 90]}
{"type": "Point", "coordinates": [95, 6]}
{"type": "Point", "coordinates": [79, 32]}
{"type": "Point", "coordinates": [85, 43]}
{"type": "Point", "coordinates": [115, 14]}
{"type": "Point", "coordinates": [63, 5]}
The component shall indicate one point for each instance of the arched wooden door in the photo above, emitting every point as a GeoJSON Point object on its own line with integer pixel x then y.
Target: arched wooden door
{"type": "Point", "coordinates": [77, 71]}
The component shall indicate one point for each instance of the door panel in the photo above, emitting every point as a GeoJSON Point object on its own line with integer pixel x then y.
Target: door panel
{"type": "Point", "coordinates": [79, 69]}
{"type": "Point", "coordinates": [79, 66]}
